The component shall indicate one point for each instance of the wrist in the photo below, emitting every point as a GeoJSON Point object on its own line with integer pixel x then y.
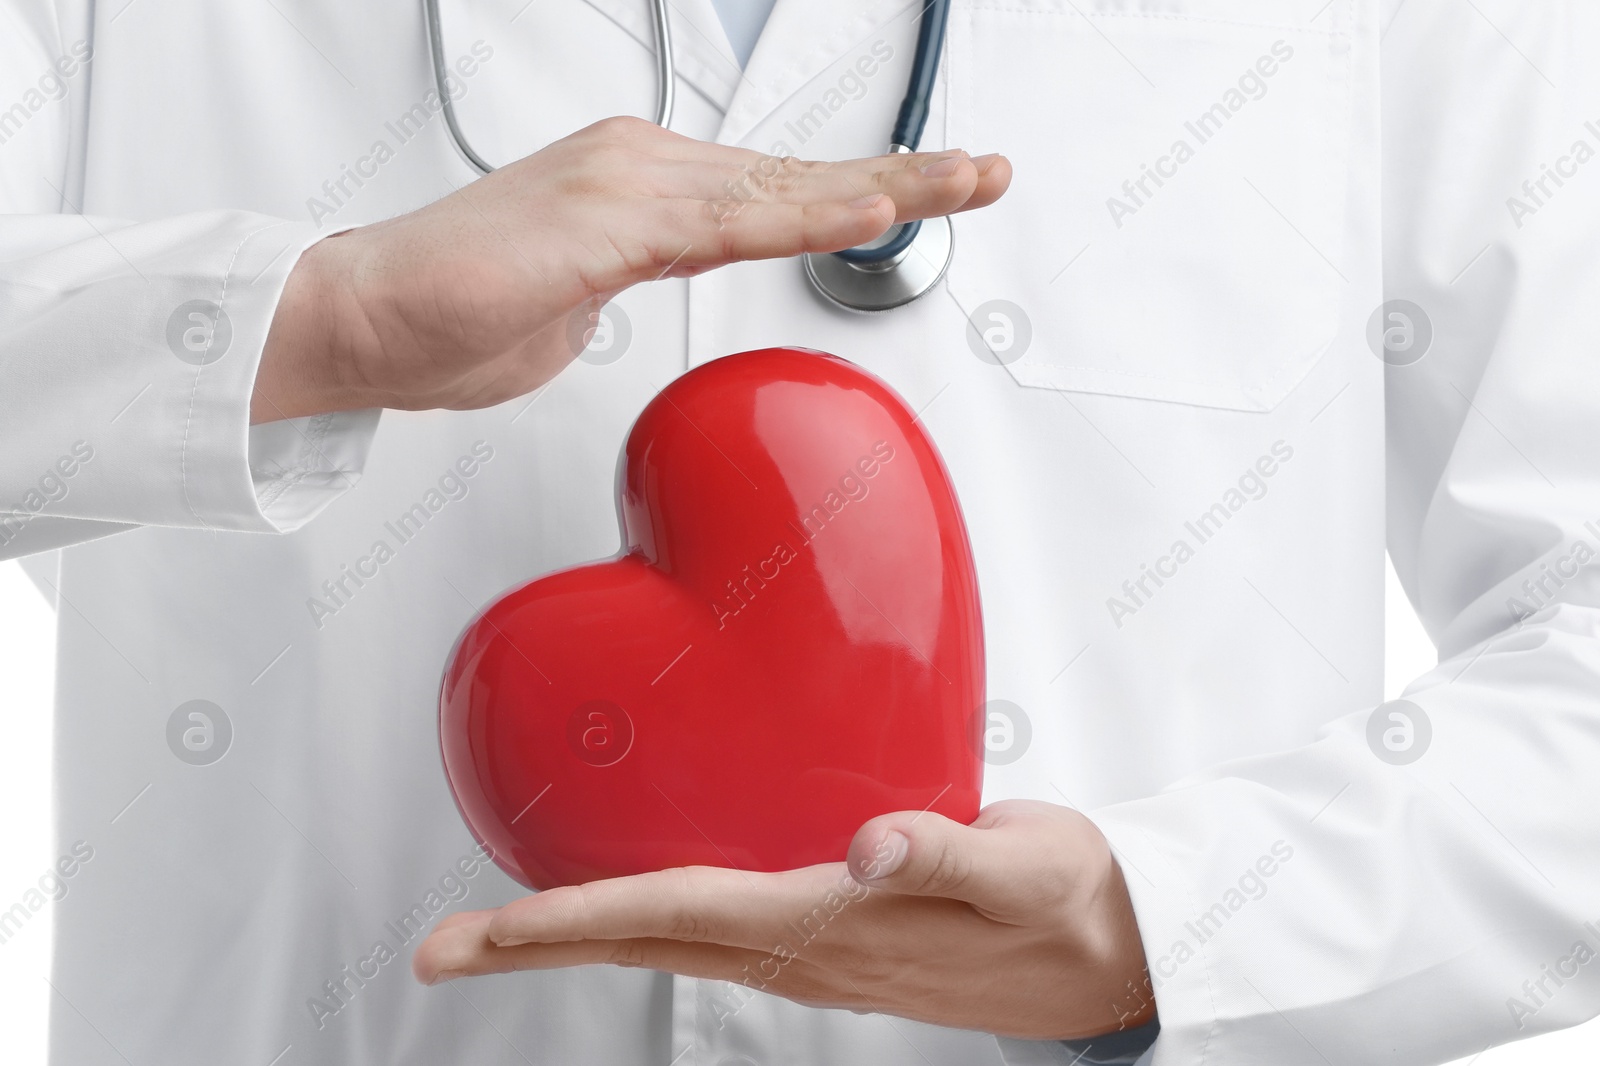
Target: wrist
{"type": "Point", "coordinates": [1126, 971]}
{"type": "Point", "coordinates": [303, 369]}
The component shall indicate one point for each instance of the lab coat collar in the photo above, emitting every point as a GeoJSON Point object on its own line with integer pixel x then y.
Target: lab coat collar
{"type": "Point", "coordinates": [801, 39]}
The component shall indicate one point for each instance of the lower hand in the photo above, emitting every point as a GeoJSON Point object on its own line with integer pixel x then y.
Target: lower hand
{"type": "Point", "coordinates": [1018, 925]}
{"type": "Point", "coordinates": [465, 303]}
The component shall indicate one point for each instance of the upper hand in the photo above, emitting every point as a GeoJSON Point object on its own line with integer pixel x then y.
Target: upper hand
{"type": "Point", "coordinates": [1019, 925]}
{"type": "Point", "coordinates": [465, 303]}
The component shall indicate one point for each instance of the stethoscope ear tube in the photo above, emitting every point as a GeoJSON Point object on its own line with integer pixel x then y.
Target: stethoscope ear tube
{"type": "Point", "coordinates": [430, 18]}
{"type": "Point", "coordinates": [666, 77]}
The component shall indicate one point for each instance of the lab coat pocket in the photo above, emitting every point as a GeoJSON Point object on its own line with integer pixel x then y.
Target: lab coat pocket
{"type": "Point", "coordinates": [1174, 228]}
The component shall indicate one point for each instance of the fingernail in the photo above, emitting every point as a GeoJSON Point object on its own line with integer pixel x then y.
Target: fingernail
{"type": "Point", "coordinates": [887, 857]}
{"type": "Point", "coordinates": [984, 162]}
{"type": "Point", "coordinates": [512, 942]}
{"type": "Point", "coordinates": [446, 975]}
{"type": "Point", "coordinates": [942, 168]}
{"type": "Point", "coordinates": [868, 201]}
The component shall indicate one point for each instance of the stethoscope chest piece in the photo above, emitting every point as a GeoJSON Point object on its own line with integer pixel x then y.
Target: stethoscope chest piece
{"type": "Point", "coordinates": [869, 287]}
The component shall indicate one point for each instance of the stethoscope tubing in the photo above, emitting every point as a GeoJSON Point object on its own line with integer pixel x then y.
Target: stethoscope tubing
{"type": "Point", "coordinates": [879, 258]}
{"type": "Point", "coordinates": [913, 117]}
{"type": "Point", "coordinates": [666, 77]}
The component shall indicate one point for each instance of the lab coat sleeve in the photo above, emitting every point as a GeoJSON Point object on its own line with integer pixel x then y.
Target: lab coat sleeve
{"type": "Point", "coordinates": [128, 350]}
{"type": "Point", "coordinates": [1334, 903]}
{"type": "Point", "coordinates": [113, 413]}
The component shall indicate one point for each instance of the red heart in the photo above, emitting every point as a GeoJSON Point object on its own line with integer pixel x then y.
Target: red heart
{"type": "Point", "coordinates": [790, 644]}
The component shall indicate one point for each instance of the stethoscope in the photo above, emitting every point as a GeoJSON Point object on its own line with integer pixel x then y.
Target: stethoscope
{"type": "Point", "coordinates": [900, 266]}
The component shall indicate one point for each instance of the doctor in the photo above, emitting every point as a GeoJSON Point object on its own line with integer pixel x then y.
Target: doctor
{"type": "Point", "coordinates": [1233, 326]}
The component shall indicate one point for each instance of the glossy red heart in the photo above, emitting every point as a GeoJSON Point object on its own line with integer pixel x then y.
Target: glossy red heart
{"type": "Point", "coordinates": [789, 645]}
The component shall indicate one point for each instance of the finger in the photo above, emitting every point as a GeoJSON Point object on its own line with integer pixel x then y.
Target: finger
{"type": "Point", "coordinates": [703, 235]}
{"type": "Point", "coordinates": [465, 950]}
{"type": "Point", "coordinates": [1008, 862]}
{"type": "Point", "coordinates": [994, 178]}
{"type": "Point", "coordinates": [921, 183]}
{"type": "Point", "coordinates": [833, 206]}
{"type": "Point", "coordinates": [652, 142]}
{"type": "Point", "coordinates": [700, 904]}
{"type": "Point", "coordinates": [647, 144]}
{"type": "Point", "coordinates": [684, 237]}
{"type": "Point", "coordinates": [451, 921]}
{"type": "Point", "coordinates": [775, 179]}
{"type": "Point", "coordinates": [921, 186]}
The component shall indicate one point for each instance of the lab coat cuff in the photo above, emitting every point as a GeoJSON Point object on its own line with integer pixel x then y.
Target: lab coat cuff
{"type": "Point", "coordinates": [1126, 1047]}
{"type": "Point", "coordinates": [273, 477]}
{"type": "Point", "coordinates": [300, 465]}
{"type": "Point", "coordinates": [1180, 964]}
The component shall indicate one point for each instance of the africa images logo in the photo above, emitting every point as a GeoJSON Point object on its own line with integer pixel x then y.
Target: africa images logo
{"type": "Point", "coordinates": [404, 128]}
{"type": "Point", "coordinates": [1252, 84]}
{"type": "Point", "coordinates": [853, 487]}
{"type": "Point", "coordinates": [452, 486]}
{"type": "Point", "coordinates": [199, 332]}
{"type": "Point", "coordinates": [1251, 485]}
{"type": "Point", "coordinates": [52, 487]}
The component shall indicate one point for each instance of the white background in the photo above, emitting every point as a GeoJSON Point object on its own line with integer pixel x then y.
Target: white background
{"type": "Point", "coordinates": [27, 669]}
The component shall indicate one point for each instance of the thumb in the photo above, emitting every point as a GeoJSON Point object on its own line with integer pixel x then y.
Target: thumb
{"type": "Point", "coordinates": [926, 854]}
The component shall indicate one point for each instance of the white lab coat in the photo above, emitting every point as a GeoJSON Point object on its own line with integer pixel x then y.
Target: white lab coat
{"type": "Point", "coordinates": [1213, 722]}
